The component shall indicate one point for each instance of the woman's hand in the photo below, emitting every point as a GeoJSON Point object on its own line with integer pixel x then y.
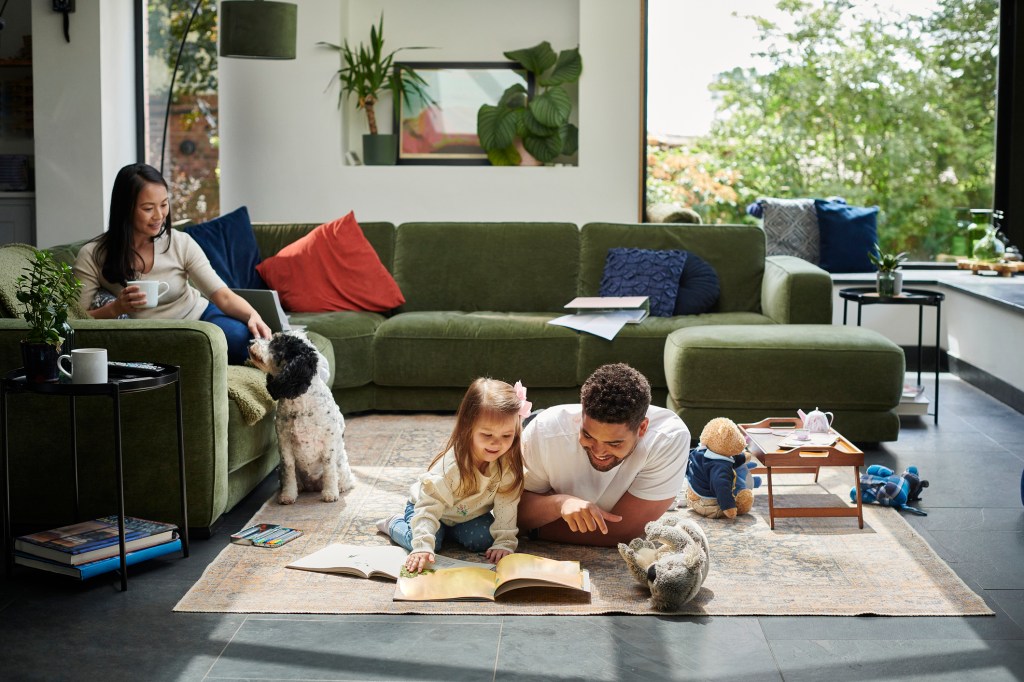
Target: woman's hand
{"type": "Point", "coordinates": [257, 327]}
{"type": "Point", "coordinates": [130, 298]}
{"type": "Point", "coordinates": [494, 555]}
{"type": "Point", "coordinates": [418, 561]}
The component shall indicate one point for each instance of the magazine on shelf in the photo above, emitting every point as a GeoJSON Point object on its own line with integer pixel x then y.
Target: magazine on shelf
{"type": "Point", "coordinates": [265, 535]}
{"type": "Point", "coordinates": [376, 561]}
{"type": "Point", "coordinates": [82, 543]}
{"type": "Point", "coordinates": [513, 572]}
{"type": "Point", "coordinates": [90, 569]}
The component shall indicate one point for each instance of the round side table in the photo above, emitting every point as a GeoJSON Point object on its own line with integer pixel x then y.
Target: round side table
{"type": "Point", "coordinates": [121, 380]}
{"type": "Point", "coordinates": [922, 298]}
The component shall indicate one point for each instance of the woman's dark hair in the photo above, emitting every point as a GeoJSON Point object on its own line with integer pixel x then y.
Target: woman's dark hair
{"type": "Point", "coordinates": [115, 248]}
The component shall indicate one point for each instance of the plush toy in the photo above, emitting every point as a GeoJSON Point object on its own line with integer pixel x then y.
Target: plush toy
{"type": "Point", "coordinates": [881, 485]}
{"type": "Point", "coordinates": [672, 560]}
{"type": "Point", "coordinates": [719, 472]}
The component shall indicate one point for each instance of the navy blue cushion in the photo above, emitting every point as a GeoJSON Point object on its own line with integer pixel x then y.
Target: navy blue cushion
{"type": "Point", "coordinates": [848, 234]}
{"type": "Point", "coordinates": [644, 272]}
{"type": "Point", "coordinates": [698, 287]}
{"type": "Point", "coordinates": [230, 245]}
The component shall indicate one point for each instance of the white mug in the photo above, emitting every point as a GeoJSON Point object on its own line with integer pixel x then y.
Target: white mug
{"type": "Point", "coordinates": [88, 366]}
{"type": "Point", "coordinates": [153, 289]}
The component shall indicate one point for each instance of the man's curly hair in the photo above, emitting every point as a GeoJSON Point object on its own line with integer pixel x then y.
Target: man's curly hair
{"type": "Point", "coordinates": [616, 394]}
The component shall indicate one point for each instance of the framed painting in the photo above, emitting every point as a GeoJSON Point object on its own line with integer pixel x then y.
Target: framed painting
{"type": "Point", "coordinates": [440, 128]}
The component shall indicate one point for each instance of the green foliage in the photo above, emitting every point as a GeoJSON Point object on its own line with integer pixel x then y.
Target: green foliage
{"type": "Point", "coordinates": [879, 108]}
{"type": "Point", "coordinates": [542, 123]}
{"type": "Point", "coordinates": [197, 72]}
{"type": "Point", "coordinates": [45, 293]}
{"type": "Point", "coordinates": [886, 261]}
{"type": "Point", "coordinates": [367, 71]}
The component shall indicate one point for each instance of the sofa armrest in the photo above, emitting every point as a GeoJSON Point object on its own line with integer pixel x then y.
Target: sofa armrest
{"type": "Point", "coordinates": [794, 291]}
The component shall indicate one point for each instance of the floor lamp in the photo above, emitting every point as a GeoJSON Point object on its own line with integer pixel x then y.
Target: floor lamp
{"type": "Point", "coordinates": [249, 29]}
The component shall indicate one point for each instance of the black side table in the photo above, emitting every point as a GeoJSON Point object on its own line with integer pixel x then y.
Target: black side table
{"type": "Point", "coordinates": [863, 296]}
{"type": "Point", "coordinates": [120, 381]}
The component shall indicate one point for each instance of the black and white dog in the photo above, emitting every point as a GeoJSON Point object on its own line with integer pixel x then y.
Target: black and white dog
{"type": "Point", "coordinates": [309, 423]}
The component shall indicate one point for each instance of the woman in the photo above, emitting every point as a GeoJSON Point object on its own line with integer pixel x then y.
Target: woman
{"type": "Point", "coordinates": [140, 244]}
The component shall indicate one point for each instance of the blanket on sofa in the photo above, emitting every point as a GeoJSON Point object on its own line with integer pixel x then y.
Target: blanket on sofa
{"type": "Point", "coordinates": [247, 386]}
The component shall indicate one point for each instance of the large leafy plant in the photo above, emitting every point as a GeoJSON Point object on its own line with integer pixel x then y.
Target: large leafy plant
{"type": "Point", "coordinates": [367, 71]}
{"type": "Point", "coordinates": [45, 293]}
{"type": "Point", "coordinates": [540, 122]}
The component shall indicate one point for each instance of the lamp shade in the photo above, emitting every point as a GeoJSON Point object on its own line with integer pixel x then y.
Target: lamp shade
{"type": "Point", "coordinates": [257, 29]}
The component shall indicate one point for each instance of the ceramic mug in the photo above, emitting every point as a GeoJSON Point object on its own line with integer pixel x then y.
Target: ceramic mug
{"type": "Point", "coordinates": [153, 289]}
{"type": "Point", "coordinates": [88, 366]}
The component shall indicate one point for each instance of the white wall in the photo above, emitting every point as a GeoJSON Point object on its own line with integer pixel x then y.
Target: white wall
{"type": "Point", "coordinates": [282, 136]}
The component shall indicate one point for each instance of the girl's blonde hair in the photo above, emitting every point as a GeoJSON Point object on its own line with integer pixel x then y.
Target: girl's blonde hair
{"type": "Point", "coordinates": [485, 398]}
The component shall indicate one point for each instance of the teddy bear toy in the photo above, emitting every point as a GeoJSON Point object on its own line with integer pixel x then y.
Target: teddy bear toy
{"type": "Point", "coordinates": [672, 560]}
{"type": "Point", "coordinates": [881, 485]}
{"type": "Point", "coordinates": [719, 472]}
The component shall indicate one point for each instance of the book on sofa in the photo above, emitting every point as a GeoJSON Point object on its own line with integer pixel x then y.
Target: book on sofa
{"type": "Point", "coordinates": [369, 561]}
{"type": "Point", "coordinates": [513, 572]}
{"type": "Point", "coordinates": [634, 308]}
{"type": "Point", "coordinates": [82, 543]}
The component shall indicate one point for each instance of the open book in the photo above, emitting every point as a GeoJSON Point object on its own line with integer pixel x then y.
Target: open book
{"type": "Point", "coordinates": [369, 561]}
{"type": "Point", "coordinates": [514, 571]}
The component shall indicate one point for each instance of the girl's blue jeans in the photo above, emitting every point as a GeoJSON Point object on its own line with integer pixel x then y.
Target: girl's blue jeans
{"type": "Point", "coordinates": [474, 535]}
{"type": "Point", "coordinates": [236, 331]}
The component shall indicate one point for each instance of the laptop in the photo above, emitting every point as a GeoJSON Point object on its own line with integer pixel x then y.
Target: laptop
{"type": "Point", "coordinates": [268, 304]}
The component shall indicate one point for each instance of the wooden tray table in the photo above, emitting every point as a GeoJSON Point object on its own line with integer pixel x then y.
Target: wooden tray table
{"type": "Point", "coordinates": [803, 459]}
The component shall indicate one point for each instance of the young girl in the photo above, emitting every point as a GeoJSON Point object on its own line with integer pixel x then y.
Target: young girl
{"type": "Point", "coordinates": [479, 470]}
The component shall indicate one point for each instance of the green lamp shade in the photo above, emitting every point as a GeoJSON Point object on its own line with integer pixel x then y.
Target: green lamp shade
{"type": "Point", "coordinates": [257, 29]}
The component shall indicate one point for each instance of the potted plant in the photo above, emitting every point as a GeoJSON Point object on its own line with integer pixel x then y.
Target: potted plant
{"type": "Point", "coordinates": [538, 124]}
{"type": "Point", "coordinates": [45, 293]}
{"type": "Point", "coordinates": [367, 72]}
{"type": "Point", "coordinates": [890, 277]}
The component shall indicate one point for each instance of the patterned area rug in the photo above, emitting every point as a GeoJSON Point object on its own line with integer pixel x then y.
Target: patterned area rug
{"type": "Point", "coordinates": [823, 566]}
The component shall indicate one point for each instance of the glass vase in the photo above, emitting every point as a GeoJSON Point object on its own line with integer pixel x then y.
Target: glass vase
{"type": "Point", "coordinates": [886, 284]}
{"type": "Point", "coordinates": [989, 248]}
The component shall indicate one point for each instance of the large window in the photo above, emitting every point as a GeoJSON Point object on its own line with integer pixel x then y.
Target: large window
{"type": "Point", "coordinates": [882, 102]}
{"type": "Point", "coordinates": [190, 157]}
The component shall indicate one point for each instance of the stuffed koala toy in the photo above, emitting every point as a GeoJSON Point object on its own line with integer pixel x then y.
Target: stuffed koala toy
{"type": "Point", "coordinates": [672, 560]}
{"type": "Point", "coordinates": [719, 472]}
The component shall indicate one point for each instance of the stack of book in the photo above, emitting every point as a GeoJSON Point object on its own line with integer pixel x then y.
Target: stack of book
{"type": "Point", "coordinates": [83, 550]}
{"type": "Point", "coordinates": [913, 401]}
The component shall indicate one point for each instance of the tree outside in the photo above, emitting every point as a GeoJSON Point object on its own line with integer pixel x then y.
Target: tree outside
{"type": "Point", "coordinates": [877, 107]}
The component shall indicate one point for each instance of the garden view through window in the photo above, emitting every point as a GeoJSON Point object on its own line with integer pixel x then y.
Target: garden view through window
{"type": "Point", "coordinates": [882, 102]}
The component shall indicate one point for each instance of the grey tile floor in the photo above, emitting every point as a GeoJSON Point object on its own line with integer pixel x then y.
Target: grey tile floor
{"type": "Point", "coordinates": [53, 628]}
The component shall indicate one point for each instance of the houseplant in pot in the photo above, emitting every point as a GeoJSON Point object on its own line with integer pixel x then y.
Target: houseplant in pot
{"type": "Point", "coordinates": [366, 73]}
{"type": "Point", "coordinates": [890, 277]}
{"type": "Point", "coordinates": [45, 293]}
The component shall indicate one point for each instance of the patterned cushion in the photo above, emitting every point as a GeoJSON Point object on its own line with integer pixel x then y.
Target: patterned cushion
{"type": "Point", "coordinates": [791, 228]}
{"type": "Point", "coordinates": [644, 272]}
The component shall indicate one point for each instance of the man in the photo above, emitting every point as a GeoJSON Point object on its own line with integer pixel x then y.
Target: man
{"type": "Point", "coordinates": [597, 472]}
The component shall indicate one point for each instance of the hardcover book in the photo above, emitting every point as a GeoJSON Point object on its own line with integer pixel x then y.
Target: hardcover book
{"type": "Point", "coordinates": [93, 568]}
{"type": "Point", "coordinates": [369, 561]}
{"type": "Point", "coordinates": [513, 572]}
{"type": "Point", "coordinates": [89, 541]}
{"type": "Point", "coordinates": [265, 535]}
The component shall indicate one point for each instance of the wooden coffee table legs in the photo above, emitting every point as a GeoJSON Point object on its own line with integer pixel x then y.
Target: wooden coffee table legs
{"type": "Point", "coordinates": [806, 512]}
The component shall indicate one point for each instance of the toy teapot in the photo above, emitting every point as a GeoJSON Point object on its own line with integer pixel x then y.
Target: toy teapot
{"type": "Point", "coordinates": [816, 421]}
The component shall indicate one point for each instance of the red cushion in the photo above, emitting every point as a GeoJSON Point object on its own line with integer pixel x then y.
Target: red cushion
{"type": "Point", "coordinates": [333, 267]}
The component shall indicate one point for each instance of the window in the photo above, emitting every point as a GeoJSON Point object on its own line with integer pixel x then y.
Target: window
{"type": "Point", "coordinates": [880, 102]}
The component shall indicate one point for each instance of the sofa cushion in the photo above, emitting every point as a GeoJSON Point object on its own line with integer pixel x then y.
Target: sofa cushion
{"type": "Point", "coordinates": [454, 348]}
{"type": "Point", "coordinates": [848, 234]}
{"type": "Point", "coordinates": [14, 258]}
{"type": "Point", "coordinates": [350, 335]}
{"type": "Point", "coordinates": [698, 287]}
{"type": "Point", "coordinates": [644, 272]}
{"type": "Point", "coordinates": [230, 246]}
{"type": "Point", "coordinates": [791, 228]}
{"type": "Point", "coordinates": [332, 268]}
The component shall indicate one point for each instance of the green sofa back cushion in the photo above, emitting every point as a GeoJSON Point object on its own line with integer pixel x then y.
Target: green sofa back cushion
{"type": "Point", "coordinates": [736, 252]}
{"type": "Point", "coordinates": [508, 267]}
{"type": "Point", "coordinates": [14, 258]}
{"type": "Point", "coordinates": [272, 237]}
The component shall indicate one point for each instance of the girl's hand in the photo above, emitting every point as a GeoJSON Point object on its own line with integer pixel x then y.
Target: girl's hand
{"type": "Point", "coordinates": [257, 327]}
{"type": "Point", "coordinates": [494, 555]}
{"type": "Point", "coordinates": [418, 561]}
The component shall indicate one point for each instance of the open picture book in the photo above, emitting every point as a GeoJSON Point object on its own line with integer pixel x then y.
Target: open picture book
{"type": "Point", "coordinates": [369, 561]}
{"type": "Point", "coordinates": [513, 572]}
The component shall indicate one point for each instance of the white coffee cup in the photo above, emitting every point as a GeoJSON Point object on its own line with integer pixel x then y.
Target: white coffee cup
{"type": "Point", "coordinates": [88, 366]}
{"type": "Point", "coordinates": [152, 288]}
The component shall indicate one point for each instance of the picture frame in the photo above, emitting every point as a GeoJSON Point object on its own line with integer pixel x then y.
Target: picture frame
{"type": "Point", "coordinates": [441, 129]}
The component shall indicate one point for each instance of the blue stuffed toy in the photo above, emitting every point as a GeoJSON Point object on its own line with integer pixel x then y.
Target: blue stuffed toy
{"type": "Point", "coordinates": [881, 485]}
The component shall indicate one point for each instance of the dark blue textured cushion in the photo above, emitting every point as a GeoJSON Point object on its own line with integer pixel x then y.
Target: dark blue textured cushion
{"type": "Point", "coordinates": [644, 272]}
{"type": "Point", "coordinates": [698, 287]}
{"type": "Point", "coordinates": [848, 234]}
{"type": "Point", "coordinates": [230, 245]}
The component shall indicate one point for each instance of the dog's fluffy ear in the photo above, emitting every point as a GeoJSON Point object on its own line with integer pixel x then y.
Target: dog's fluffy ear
{"type": "Point", "coordinates": [296, 361]}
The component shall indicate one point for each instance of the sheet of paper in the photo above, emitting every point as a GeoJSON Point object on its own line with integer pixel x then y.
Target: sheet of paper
{"type": "Point", "coordinates": [606, 325]}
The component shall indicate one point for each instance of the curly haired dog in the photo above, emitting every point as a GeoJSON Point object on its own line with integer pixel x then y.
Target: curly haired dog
{"type": "Point", "coordinates": [309, 423]}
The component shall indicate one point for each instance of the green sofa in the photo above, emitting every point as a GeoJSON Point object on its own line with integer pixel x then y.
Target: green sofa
{"type": "Point", "coordinates": [478, 299]}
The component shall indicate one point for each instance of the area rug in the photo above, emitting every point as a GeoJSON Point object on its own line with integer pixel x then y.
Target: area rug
{"type": "Point", "coordinates": [819, 566]}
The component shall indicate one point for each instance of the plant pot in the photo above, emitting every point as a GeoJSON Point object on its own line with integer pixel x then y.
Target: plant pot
{"type": "Point", "coordinates": [40, 362]}
{"type": "Point", "coordinates": [897, 285]}
{"type": "Point", "coordinates": [380, 150]}
{"type": "Point", "coordinates": [886, 283]}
